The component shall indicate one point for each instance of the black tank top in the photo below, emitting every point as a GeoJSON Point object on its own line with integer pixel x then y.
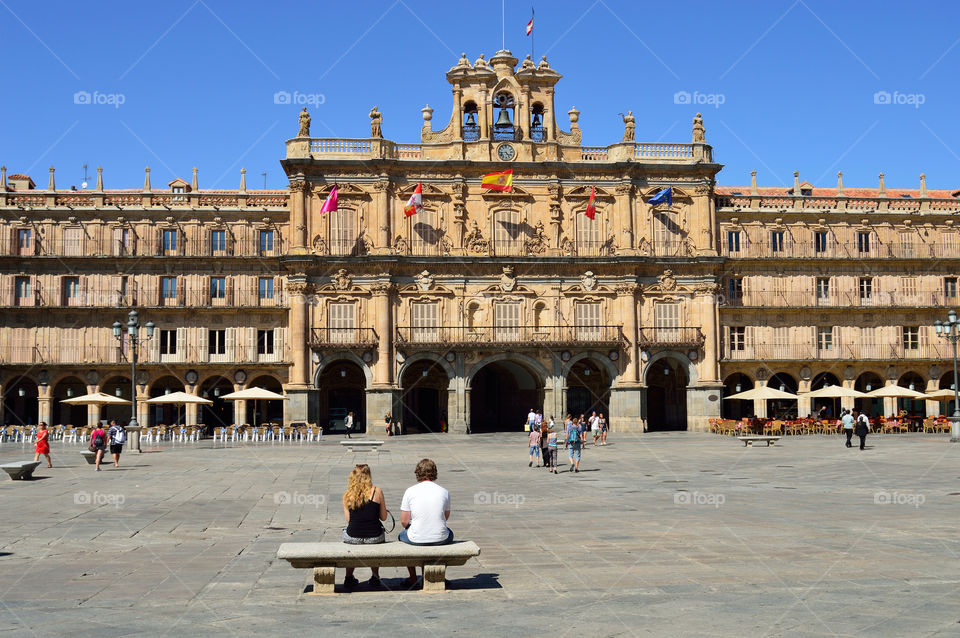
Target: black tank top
{"type": "Point", "coordinates": [365, 521]}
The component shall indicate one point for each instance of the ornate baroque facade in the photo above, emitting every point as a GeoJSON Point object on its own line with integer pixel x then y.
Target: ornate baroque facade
{"type": "Point", "coordinates": [484, 304]}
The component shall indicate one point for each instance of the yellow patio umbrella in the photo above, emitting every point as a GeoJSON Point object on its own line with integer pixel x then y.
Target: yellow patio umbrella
{"type": "Point", "coordinates": [254, 394]}
{"type": "Point", "coordinates": [943, 394]}
{"type": "Point", "coordinates": [97, 398]}
{"type": "Point", "coordinates": [897, 392]}
{"type": "Point", "coordinates": [762, 393]}
{"type": "Point", "coordinates": [179, 398]}
{"type": "Point", "coordinates": [834, 392]}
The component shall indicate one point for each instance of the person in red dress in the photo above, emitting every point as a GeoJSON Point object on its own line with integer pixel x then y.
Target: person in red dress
{"type": "Point", "coordinates": [43, 444]}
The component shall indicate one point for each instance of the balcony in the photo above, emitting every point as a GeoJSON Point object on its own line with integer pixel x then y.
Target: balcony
{"type": "Point", "coordinates": [837, 250]}
{"type": "Point", "coordinates": [148, 298]}
{"type": "Point", "coordinates": [848, 299]}
{"type": "Point", "coordinates": [134, 247]}
{"type": "Point", "coordinates": [79, 353]}
{"type": "Point", "coordinates": [663, 338]}
{"type": "Point", "coordinates": [837, 352]}
{"type": "Point", "coordinates": [343, 338]}
{"type": "Point", "coordinates": [431, 337]}
{"type": "Point", "coordinates": [786, 203]}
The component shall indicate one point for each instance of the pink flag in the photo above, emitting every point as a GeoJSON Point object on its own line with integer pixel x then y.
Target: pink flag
{"type": "Point", "coordinates": [330, 203]}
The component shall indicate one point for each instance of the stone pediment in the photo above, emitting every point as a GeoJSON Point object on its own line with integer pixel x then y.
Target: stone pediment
{"type": "Point", "coordinates": [668, 284]}
{"type": "Point", "coordinates": [678, 192]}
{"type": "Point", "coordinates": [342, 189]}
{"type": "Point", "coordinates": [426, 190]}
{"type": "Point", "coordinates": [580, 289]}
{"type": "Point", "coordinates": [583, 192]}
{"type": "Point", "coordinates": [416, 289]}
{"type": "Point", "coordinates": [518, 193]}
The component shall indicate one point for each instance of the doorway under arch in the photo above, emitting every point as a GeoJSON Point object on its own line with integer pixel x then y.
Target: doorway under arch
{"type": "Point", "coordinates": [120, 412]}
{"type": "Point", "coordinates": [220, 412]}
{"type": "Point", "coordinates": [867, 382]}
{"type": "Point", "coordinates": [588, 389]}
{"type": "Point", "coordinates": [265, 411]}
{"type": "Point", "coordinates": [166, 413]}
{"type": "Point", "coordinates": [66, 413]}
{"type": "Point", "coordinates": [783, 408]}
{"type": "Point", "coordinates": [820, 381]}
{"type": "Point", "coordinates": [736, 408]}
{"type": "Point", "coordinates": [501, 395]}
{"type": "Point", "coordinates": [20, 403]}
{"type": "Point", "coordinates": [423, 388]}
{"type": "Point", "coordinates": [666, 381]}
{"type": "Point", "coordinates": [342, 389]}
{"type": "Point", "coordinates": [914, 407]}
{"type": "Point", "coordinates": [947, 383]}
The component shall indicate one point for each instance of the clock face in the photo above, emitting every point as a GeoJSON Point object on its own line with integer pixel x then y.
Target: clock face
{"type": "Point", "coordinates": [506, 152]}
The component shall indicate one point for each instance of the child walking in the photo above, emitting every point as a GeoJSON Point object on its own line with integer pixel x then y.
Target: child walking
{"type": "Point", "coordinates": [534, 447]}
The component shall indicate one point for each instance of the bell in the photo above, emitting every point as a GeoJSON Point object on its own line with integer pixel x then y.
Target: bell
{"type": "Point", "coordinates": [504, 118]}
{"type": "Point", "coordinates": [537, 120]}
{"type": "Point", "coordinates": [471, 119]}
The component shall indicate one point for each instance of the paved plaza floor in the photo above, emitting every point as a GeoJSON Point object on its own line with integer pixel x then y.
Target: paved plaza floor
{"type": "Point", "coordinates": [678, 534]}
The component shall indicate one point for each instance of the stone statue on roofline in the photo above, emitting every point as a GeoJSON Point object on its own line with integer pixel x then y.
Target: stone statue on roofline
{"type": "Point", "coordinates": [481, 62]}
{"type": "Point", "coordinates": [375, 119]}
{"type": "Point", "coordinates": [629, 126]}
{"type": "Point", "coordinates": [699, 133]}
{"type": "Point", "coordinates": [464, 62]}
{"type": "Point", "coordinates": [304, 123]}
{"type": "Point", "coordinates": [527, 63]}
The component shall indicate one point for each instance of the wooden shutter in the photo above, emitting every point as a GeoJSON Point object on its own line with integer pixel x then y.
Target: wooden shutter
{"type": "Point", "coordinates": [588, 235]}
{"type": "Point", "coordinates": [425, 322]}
{"type": "Point", "coordinates": [586, 319]}
{"type": "Point", "coordinates": [667, 322]}
{"type": "Point", "coordinates": [506, 319]}
{"type": "Point", "coordinates": [341, 322]}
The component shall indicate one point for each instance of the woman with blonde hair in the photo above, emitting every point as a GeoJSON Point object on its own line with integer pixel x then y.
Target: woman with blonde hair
{"type": "Point", "coordinates": [364, 507]}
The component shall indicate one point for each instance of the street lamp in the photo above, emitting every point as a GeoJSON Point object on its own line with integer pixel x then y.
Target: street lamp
{"type": "Point", "coordinates": [950, 330]}
{"type": "Point", "coordinates": [133, 329]}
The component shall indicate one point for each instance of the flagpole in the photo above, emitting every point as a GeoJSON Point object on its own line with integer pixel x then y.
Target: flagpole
{"type": "Point", "coordinates": [503, 25]}
{"type": "Point", "coordinates": [532, 57]}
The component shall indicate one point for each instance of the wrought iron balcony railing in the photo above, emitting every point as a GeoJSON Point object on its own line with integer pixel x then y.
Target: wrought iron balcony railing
{"type": "Point", "coordinates": [685, 337]}
{"type": "Point", "coordinates": [519, 336]}
{"type": "Point", "coordinates": [343, 338]}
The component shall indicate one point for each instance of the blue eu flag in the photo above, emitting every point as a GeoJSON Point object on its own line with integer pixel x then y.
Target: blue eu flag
{"type": "Point", "coordinates": [666, 195]}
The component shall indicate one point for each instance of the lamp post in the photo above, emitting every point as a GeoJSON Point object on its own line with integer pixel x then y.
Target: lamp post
{"type": "Point", "coordinates": [133, 329]}
{"type": "Point", "coordinates": [950, 330]}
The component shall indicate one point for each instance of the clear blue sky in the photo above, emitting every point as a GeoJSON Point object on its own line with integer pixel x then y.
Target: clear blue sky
{"type": "Point", "coordinates": [197, 79]}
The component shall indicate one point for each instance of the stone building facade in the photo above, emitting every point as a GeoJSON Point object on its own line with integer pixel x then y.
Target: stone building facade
{"type": "Point", "coordinates": [482, 305]}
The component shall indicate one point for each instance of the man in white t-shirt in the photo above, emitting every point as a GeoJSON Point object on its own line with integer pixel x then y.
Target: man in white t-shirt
{"type": "Point", "coordinates": [595, 427]}
{"type": "Point", "coordinates": [424, 511]}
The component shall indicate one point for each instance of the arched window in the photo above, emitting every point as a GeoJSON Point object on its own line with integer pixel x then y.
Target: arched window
{"type": "Point", "coordinates": [471, 128]}
{"type": "Point", "coordinates": [503, 124]}
{"type": "Point", "coordinates": [537, 133]}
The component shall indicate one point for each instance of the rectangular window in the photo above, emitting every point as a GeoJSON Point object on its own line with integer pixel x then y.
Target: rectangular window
{"type": "Point", "coordinates": [820, 241]}
{"type": "Point", "coordinates": [424, 233]}
{"type": "Point", "coordinates": [866, 290]}
{"type": "Point", "coordinates": [24, 241]}
{"type": "Point", "coordinates": [906, 244]}
{"type": "Point", "coordinates": [343, 232]}
{"type": "Point", "coordinates": [868, 342]}
{"type": "Point", "coordinates": [266, 288]}
{"type": "Point", "coordinates": [507, 231]}
{"type": "Point", "coordinates": [168, 342]}
{"type": "Point", "coordinates": [738, 338]}
{"type": "Point", "coordinates": [825, 338]}
{"type": "Point", "coordinates": [823, 290]}
{"type": "Point", "coordinates": [73, 242]}
{"type": "Point", "coordinates": [217, 342]}
{"type": "Point", "coordinates": [266, 242]}
{"type": "Point", "coordinates": [586, 320]}
{"type": "Point", "coordinates": [950, 287]}
{"type": "Point", "coordinates": [169, 241]}
{"type": "Point", "coordinates": [733, 241]}
{"type": "Point", "coordinates": [665, 232]}
{"type": "Point", "coordinates": [342, 322]}
{"type": "Point", "coordinates": [911, 338]}
{"type": "Point", "coordinates": [218, 241]}
{"type": "Point", "coordinates": [588, 236]}
{"type": "Point", "coordinates": [781, 342]}
{"type": "Point", "coordinates": [264, 342]}
{"type": "Point", "coordinates": [908, 292]}
{"type": "Point", "coordinates": [666, 320]}
{"type": "Point", "coordinates": [22, 291]}
{"type": "Point", "coordinates": [776, 241]}
{"type": "Point", "coordinates": [863, 241]}
{"type": "Point", "coordinates": [425, 322]}
{"type": "Point", "coordinates": [506, 321]}
{"type": "Point", "coordinates": [71, 290]}
{"type": "Point", "coordinates": [168, 287]}
{"type": "Point", "coordinates": [218, 287]}
{"type": "Point", "coordinates": [735, 288]}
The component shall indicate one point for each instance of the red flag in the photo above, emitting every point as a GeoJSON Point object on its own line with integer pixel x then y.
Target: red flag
{"type": "Point", "coordinates": [591, 211]}
{"type": "Point", "coordinates": [330, 203]}
{"type": "Point", "coordinates": [530, 27]}
{"type": "Point", "coordinates": [415, 205]}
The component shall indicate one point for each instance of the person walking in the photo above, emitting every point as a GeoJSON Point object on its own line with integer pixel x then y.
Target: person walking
{"type": "Point", "coordinates": [544, 450]}
{"type": "Point", "coordinates": [552, 450]}
{"type": "Point", "coordinates": [567, 424]}
{"type": "Point", "coordinates": [595, 427]}
{"type": "Point", "coordinates": [862, 427]}
{"type": "Point", "coordinates": [386, 425]}
{"type": "Point", "coordinates": [603, 430]}
{"type": "Point", "coordinates": [364, 507]}
{"type": "Point", "coordinates": [118, 436]}
{"type": "Point", "coordinates": [531, 419]}
{"type": "Point", "coordinates": [534, 446]}
{"type": "Point", "coordinates": [575, 438]}
{"type": "Point", "coordinates": [43, 443]}
{"type": "Point", "coordinates": [847, 423]}
{"type": "Point", "coordinates": [348, 423]}
{"type": "Point", "coordinates": [98, 444]}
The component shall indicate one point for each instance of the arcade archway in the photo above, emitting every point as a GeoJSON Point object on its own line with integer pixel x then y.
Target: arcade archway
{"type": "Point", "coordinates": [666, 381]}
{"type": "Point", "coordinates": [265, 411]}
{"type": "Point", "coordinates": [867, 382]}
{"type": "Point", "coordinates": [116, 387]}
{"type": "Point", "coordinates": [341, 389]}
{"type": "Point", "coordinates": [20, 403]}
{"type": "Point", "coordinates": [220, 412]}
{"type": "Point", "coordinates": [423, 387]}
{"type": "Point", "coordinates": [784, 408]}
{"type": "Point", "coordinates": [166, 413]}
{"type": "Point", "coordinates": [820, 381]}
{"type": "Point", "coordinates": [588, 389]}
{"type": "Point", "coordinates": [914, 407]}
{"type": "Point", "coordinates": [66, 413]}
{"type": "Point", "coordinates": [501, 394]}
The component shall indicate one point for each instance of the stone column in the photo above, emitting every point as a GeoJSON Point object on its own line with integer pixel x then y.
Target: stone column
{"type": "Point", "coordinates": [627, 294]}
{"type": "Point", "coordinates": [296, 408]}
{"type": "Point", "coordinates": [45, 407]}
{"type": "Point", "coordinates": [381, 394]}
{"type": "Point", "coordinates": [383, 215]}
{"type": "Point", "coordinates": [299, 239]}
{"type": "Point", "coordinates": [759, 405]}
{"type": "Point", "coordinates": [707, 309]}
{"type": "Point", "coordinates": [93, 415]}
{"type": "Point", "coordinates": [485, 109]}
{"type": "Point", "coordinates": [458, 109]}
{"type": "Point", "coordinates": [143, 408]}
{"type": "Point", "coordinates": [624, 205]}
{"type": "Point", "coordinates": [240, 412]}
{"type": "Point", "coordinates": [190, 414]}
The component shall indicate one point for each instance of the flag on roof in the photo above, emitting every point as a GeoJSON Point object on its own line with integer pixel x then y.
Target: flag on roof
{"type": "Point", "coordinates": [415, 203]}
{"type": "Point", "coordinates": [530, 26]}
{"type": "Point", "coordinates": [591, 211]}
{"type": "Point", "coordinates": [330, 203]}
{"type": "Point", "coordinates": [666, 195]}
{"type": "Point", "coordinates": [502, 181]}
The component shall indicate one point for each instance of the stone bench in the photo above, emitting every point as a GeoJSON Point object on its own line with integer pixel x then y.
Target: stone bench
{"type": "Point", "coordinates": [325, 558]}
{"type": "Point", "coordinates": [21, 469]}
{"type": "Point", "coordinates": [91, 457]}
{"type": "Point", "coordinates": [361, 444]}
{"type": "Point", "coordinates": [749, 440]}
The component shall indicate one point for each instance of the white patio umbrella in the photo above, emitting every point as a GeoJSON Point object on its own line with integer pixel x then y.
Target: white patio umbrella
{"type": "Point", "coordinates": [943, 394]}
{"type": "Point", "coordinates": [834, 392]}
{"type": "Point", "coordinates": [179, 398]}
{"type": "Point", "coordinates": [897, 392]}
{"type": "Point", "coordinates": [97, 398]}
{"type": "Point", "coordinates": [762, 393]}
{"type": "Point", "coordinates": [254, 394]}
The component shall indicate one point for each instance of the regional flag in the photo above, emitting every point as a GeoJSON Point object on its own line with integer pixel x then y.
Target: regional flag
{"type": "Point", "coordinates": [666, 195]}
{"type": "Point", "coordinates": [530, 27]}
{"type": "Point", "coordinates": [330, 203]}
{"type": "Point", "coordinates": [415, 203]}
{"type": "Point", "coordinates": [591, 211]}
{"type": "Point", "coordinates": [498, 181]}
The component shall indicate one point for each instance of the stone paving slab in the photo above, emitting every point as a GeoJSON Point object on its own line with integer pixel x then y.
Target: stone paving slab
{"type": "Point", "coordinates": [677, 534]}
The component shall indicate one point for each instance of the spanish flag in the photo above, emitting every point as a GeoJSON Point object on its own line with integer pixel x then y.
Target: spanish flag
{"type": "Point", "coordinates": [498, 181]}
